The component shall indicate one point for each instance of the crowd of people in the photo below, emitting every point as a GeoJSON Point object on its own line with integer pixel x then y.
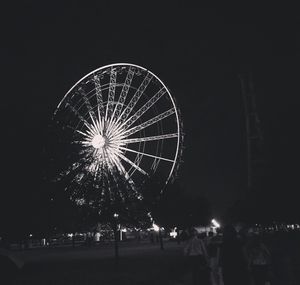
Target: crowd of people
{"type": "Point", "coordinates": [227, 258]}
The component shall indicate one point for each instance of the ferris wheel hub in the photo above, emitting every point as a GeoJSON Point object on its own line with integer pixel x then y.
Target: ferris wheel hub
{"type": "Point", "coordinates": [99, 141]}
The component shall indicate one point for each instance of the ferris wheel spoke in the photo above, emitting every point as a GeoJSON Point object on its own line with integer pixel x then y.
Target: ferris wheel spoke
{"type": "Point", "coordinates": [145, 139]}
{"type": "Point", "coordinates": [149, 122]}
{"type": "Point", "coordinates": [110, 127]}
{"type": "Point", "coordinates": [146, 154]}
{"type": "Point", "coordinates": [135, 98]}
{"type": "Point", "coordinates": [84, 134]}
{"type": "Point", "coordinates": [117, 137]}
{"type": "Point", "coordinates": [138, 160]}
{"type": "Point", "coordinates": [119, 165]}
{"type": "Point", "coordinates": [132, 164]}
{"type": "Point", "coordinates": [124, 92]}
{"type": "Point", "coordinates": [87, 102]}
{"type": "Point", "coordinates": [108, 158]}
{"type": "Point", "coordinates": [106, 162]}
{"type": "Point", "coordinates": [110, 101]}
{"type": "Point", "coordinates": [111, 93]}
{"type": "Point", "coordinates": [144, 108]}
{"type": "Point", "coordinates": [111, 131]}
{"type": "Point", "coordinates": [115, 129]}
{"type": "Point", "coordinates": [91, 130]}
{"type": "Point", "coordinates": [96, 125]}
{"type": "Point", "coordinates": [100, 122]}
{"type": "Point", "coordinates": [115, 159]}
{"type": "Point", "coordinates": [77, 114]}
{"type": "Point", "coordinates": [116, 132]}
{"type": "Point", "coordinates": [99, 96]}
{"type": "Point", "coordinates": [95, 129]}
{"type": "Point", "coordinates": [97, 172]}
{"type": "Point", "coordinates": [83, 120]}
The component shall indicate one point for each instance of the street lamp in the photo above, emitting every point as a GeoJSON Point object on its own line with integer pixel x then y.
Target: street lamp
{"type": "Point", "coordinates": [157, 228]}
{"type": "Point", "coordinates": [215, 223]}
{"type": "Point", "coordinates": [115, 228]}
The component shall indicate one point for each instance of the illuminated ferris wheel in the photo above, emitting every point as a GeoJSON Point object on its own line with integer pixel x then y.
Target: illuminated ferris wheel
{"type": "Point", "coordinates": [120, 120]}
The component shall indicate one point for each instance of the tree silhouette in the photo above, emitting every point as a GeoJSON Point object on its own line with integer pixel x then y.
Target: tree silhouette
{"type": "Point", "coordinates": [173, 207]}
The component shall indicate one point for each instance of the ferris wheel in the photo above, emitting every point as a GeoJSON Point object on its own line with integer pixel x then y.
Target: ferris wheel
{"type": "Point", "coordinates": [120, 120]}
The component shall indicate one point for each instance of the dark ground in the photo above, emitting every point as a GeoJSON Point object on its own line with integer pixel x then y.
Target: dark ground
{"type": "Point", "coordinates": [139, 264]}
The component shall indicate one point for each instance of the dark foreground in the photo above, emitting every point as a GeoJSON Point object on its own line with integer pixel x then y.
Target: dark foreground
{"type": "Point", "coordinates": [139, 264]}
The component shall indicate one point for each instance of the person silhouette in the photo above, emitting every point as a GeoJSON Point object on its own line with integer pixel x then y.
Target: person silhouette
{"type": "Point", "coordinates": [259, 259]}
{"type": "Point", "coordinates": [233, 258]}
{"type": "Point", "coordinates": [197, 258]}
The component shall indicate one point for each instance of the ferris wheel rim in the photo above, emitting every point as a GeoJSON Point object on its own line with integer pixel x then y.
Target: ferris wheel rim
{"type": "Point", "coordinates": [176, 112]}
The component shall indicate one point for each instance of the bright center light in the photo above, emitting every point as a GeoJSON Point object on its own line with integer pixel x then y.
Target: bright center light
{"type": "Point", "coordinates": [98, 141]}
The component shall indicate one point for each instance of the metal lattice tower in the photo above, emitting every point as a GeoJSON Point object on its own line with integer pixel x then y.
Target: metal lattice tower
{"type": "Point", "coordinates": [254, 135]}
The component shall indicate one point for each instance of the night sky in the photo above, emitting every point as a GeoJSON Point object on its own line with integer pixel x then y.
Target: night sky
{"type": "Point", "coordinates": [198, 54]}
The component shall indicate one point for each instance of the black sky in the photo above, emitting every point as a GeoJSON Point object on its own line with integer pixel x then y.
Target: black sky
{"type": "Point", "coordinates": [197, 52]}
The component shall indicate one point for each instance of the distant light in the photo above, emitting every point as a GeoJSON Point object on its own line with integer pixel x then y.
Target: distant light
{"type": "Point", "coordinates": [116, 215]}
{"type": "Point", "coordinates": [215, 223]}
{"type": "Point", "coordinates": [30, 235]}
{"type": "Point", "coordinates": [155, 227]}
{"type": "Point", "coordinates": [173, 233]}
{"type": "Point", "coordinates": [80, 201]}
